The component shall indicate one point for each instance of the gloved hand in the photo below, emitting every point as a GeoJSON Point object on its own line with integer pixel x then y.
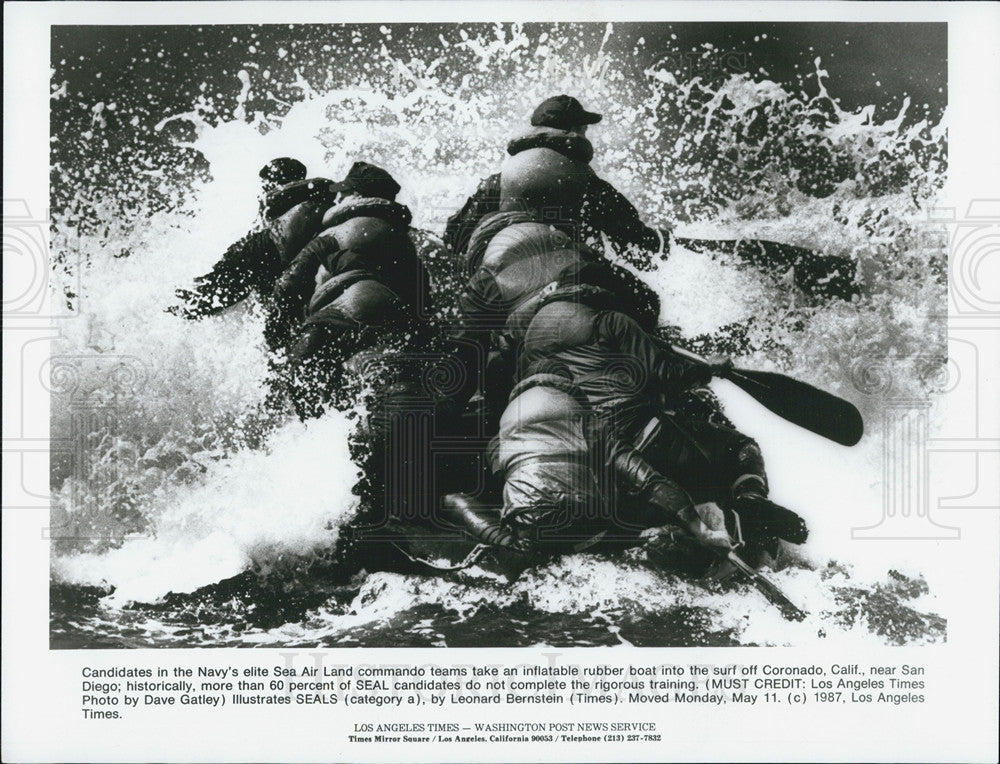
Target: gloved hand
{"type": "Point", "coordinates": [706, 523]}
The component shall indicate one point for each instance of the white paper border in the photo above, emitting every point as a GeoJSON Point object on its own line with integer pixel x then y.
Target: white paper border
{"type": "Point", "coordinates": [41, 719]}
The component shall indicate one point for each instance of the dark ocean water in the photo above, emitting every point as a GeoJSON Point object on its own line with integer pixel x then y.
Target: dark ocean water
{"type": "Point", "coordinates": [180, 525]}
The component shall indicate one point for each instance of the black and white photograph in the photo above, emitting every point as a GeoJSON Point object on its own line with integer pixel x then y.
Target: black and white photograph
{"type": "Point", "coordinates": [490, 334]}
{"type": "Point", "coordinates": [499, 329]}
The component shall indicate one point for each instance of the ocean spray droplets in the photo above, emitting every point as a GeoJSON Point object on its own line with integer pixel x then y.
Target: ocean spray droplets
{"type": "Point", "coordinates": [153, 208]}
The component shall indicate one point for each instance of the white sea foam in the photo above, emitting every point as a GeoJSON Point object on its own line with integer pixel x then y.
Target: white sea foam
{"type": "Point", "coordinates": [252, 509]}
{"type": "Point", "coordinates": [173, 469]}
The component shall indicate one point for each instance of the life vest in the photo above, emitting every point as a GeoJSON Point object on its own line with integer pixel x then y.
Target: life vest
{"type": "Point", "coordinates": [533, 264]}
{"type": "Point", "coordinates": [564, 327]}
{"type": "Point", "coordinates": [357, 296]}
{"type": "Point", "coordinates": [544, 181]}
{"type": "Point", "coordinates": [488, 227]}
{"type": "Point", "coordinates": [623, 374]}
{"type": "Point", "coordinates": [524, 257]}
{"type": "Point", "coordinates": [293, 229]}
{"type": "Point", "coordinates": [372, 235]}
{"type": "Point", "coordinates": [372, 229]}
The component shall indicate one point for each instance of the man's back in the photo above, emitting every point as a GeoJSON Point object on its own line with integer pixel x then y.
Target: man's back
{"type": "Point", "coordinates": [544, 181]}
{"type": "Point", "coordinates": [581, 202]}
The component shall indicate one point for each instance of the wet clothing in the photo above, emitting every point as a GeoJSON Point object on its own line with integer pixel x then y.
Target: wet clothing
{"type": "Point", "coordinates": [711, 462]}
{"type": "Point", "coordinates": [550, 485]}
{"type": "Point", "coordinates": [613, 361]}
{"type": "Point", "coordinates": [374, 295]}
{"type": "Point", "coordinates": [545, 177]}
{"type": "Point", "coordinates": [363, 234]}
{"type": "Point", "coordinates": [490, 226]}
{"type": "Point", "coordinates": [632, 383]}
{"type": "Point", "coordinates": [251, 266]}
{"type": "Point", "coordinates": [521, 264]}
{"type": "Point", "coordinates": [602, 209]}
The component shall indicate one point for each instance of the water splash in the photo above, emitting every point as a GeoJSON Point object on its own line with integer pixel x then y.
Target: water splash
{"type": "Point", "coordinates": [172, 497]}
{"type": "Point", "coordinates": [250, 510]}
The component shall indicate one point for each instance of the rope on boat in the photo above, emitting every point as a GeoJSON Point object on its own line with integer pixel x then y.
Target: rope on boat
{"type": "Point", "coordinates": [470, 559]}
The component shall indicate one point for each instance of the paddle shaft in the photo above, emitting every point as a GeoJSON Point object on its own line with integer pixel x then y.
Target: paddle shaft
{"type": "Point", "coordinates": [768, 588]}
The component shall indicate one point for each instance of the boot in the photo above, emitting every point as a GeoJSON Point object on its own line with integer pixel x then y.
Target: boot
{"type": "Point", "coordinates": [479, 522]}
{"type": "Point", "coordinates": [653, 500]}
{"type": "Point", "coordinates": [761, 518]}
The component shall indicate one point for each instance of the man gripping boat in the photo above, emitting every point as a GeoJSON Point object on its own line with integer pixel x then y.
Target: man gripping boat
{"type": "Point", "coordinates": [575, 420]}
{"type": "Point", "coordinates": [563, 475]}
{"type": "Point", "coordinates": [373, 287]}
{"type": "Point", "coordinates": [602, 213]}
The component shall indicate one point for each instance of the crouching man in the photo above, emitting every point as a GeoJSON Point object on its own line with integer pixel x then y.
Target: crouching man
{"type": "Point", "coordinates": [374, 289]}
{"type": "Point", "coordinates": [556, 497]}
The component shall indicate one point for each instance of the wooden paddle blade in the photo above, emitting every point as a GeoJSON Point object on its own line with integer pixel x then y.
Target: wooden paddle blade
{"type": "Point", "coordinates": [800, 403]}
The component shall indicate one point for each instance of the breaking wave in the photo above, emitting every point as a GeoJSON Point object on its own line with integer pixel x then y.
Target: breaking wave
{"type": "Point", "coordinates": [179, 482]}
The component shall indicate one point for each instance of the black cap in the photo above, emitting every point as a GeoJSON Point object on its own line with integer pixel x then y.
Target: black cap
{"type": "Point", "coordinates": [281, 171]}
{"type": "Point", "coordinates": [368, 180]}
{"type": "Point", "coordinates": [562, 111]}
